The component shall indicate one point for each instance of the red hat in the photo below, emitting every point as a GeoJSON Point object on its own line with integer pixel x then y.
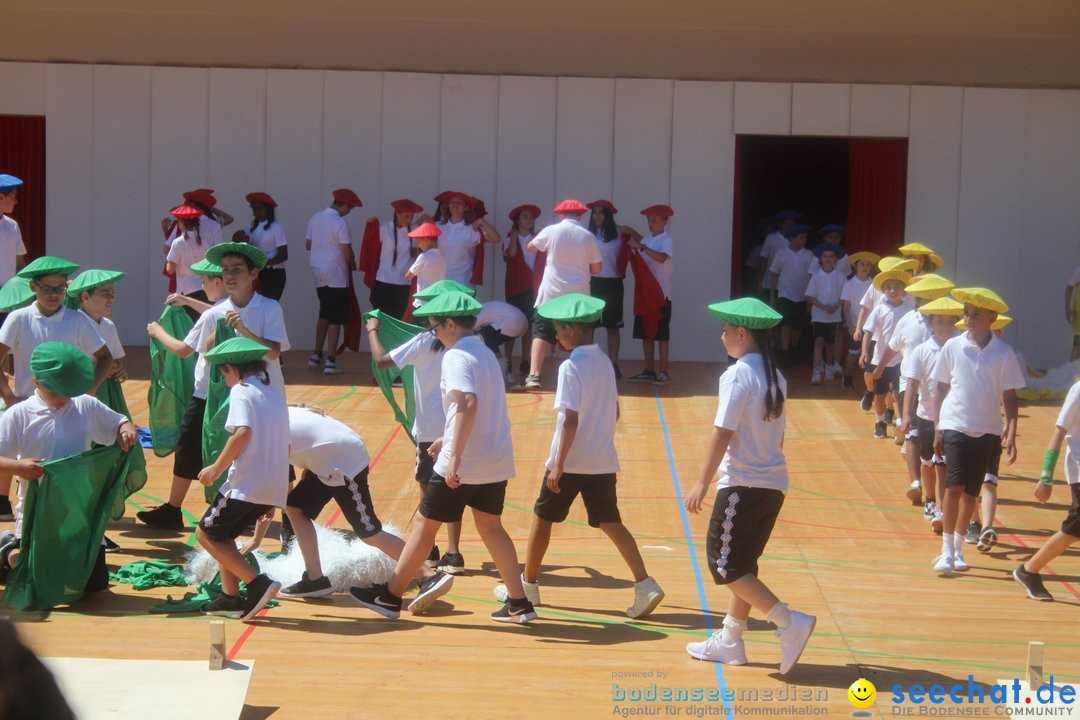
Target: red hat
{"type": "Point", "coordinates": [521, 208]}
{"type": "Point", "coordinates": [185, 212]}
{"type": "Point", "coordinates": [658, 210]}
{"type": "Point", "coordinates": [570, 207]}
{"type": "Point", "coordinates": [204, 196]}
{"type": "Point", "coordinates": [406, 206]}
{"type": "Point", "coordinates": [606, 204]}
{"type": "Point", "coordinates": [260, 197]}
{"type": "Point", "coordinates": [447, 195]}
{"type": "Point", "coordinates": [478, 206]}
{"type": "Point", "coordinates": [427, 230]}
{"type": "Point", "coordinates": [346, 197]}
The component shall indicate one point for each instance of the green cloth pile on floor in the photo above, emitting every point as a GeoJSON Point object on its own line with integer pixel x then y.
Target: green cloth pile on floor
{"type": "Point", "coordinates": [146, 574]}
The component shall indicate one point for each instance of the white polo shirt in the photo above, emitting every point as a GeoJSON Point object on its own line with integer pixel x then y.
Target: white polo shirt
{"type": "Point", "coordinates": [842, 264]}
{"type": "Point", "coordinates": [523, 248]}
{"type": "Point", "coordinates": [391, 272]}
{"type": "Point", "coordinates": [609, 256]}
{"type": "Point", "coordinates": [469, 367]}
{"type": "Point", "coordinates": [185, 252]}
{"type": "Point", "coordinates": [458, 247]}
{"type": "Point", "coordinates": [793, 276]}
{"type": "Point", "coordinates": [587, 386]}
{"type": "Point", "coordinates": [107, 330]}
{"type": "Point", "coordinates": [919, 365]}
{"type": "Point", "coordinates": [977, 378]}
{"type": "Point", "coordinates": [504, 317]}
{"type": "Point", "coordinates": [881, 323]}
{"type": "Point", "coordinates": [430, 418]}
{"type": "Point", "coordinates": [259, 474]}
{"type": "Point", "coordinates": [327, 447]}
{"type": "Point", "coordinates": [571, 249]}
{"type": "Point", "coordinates": [1069, 418]}
{"type": "Point", "coordinates": [853, 292]}
{"type": "Point", "coordinates": [329, 234]}
{"type": "Point", "coordinates": [268, 239]}
{"type": "Point", "coordinates": [826, 287]}
{"type": "Point", "coordinates": [11, 245]}
{"type": "Point", "coordinates": [262, 316]}
{"type": "Point", "coordinates": [202, 368]}
{"type": "Point", "coordinates": [774, 243]}
{"type": "Point", "coordinates": [911, 330]}
{"type": "Point", "coordinates": [26, 328]}
{"type": "Point", "coordinates": [664, 272]}
{"type": "Point", "coordinates": [755, 457]}
{"type": "Point", "coordinates": [429, 268]}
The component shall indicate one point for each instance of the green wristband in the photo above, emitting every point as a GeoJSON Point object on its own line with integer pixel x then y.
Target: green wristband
{"type": "Point", "coordinates": [1049, 461]}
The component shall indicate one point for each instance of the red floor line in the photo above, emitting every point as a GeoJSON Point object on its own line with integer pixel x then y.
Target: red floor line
{"type": "Point", "coordinates": [1047, 568]}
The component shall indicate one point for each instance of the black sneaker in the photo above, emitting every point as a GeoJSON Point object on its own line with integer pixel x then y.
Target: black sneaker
{"type": "Point", "coordinates": [452, 564]}
{"type": "Point", "coordinates": [230, 606]}
{"type": "Point", "coordinates": [973, 532]}
{"type": "Point", "coordinates": [515, 611]}
{"type": "Point", "coordinates": [110, 545]}
{"type": "Point", "coordinates": [643, 376]}
{"type": "Point", "coordinates": [6, 513]}
{"type": "Point", "coordinates": [286, 532]}
{"type": "Point", "coordinates": [928, 509]}
{"type": "Point", "coordinates": [867, 401]}
{"type": "Point", "coordinates": [1033, 583]}
{"type": "Point", "coordinates": [890, 415]}
{"type": "Point", "coordinates": [379, 599]}
{"type": "Point", "coordinates": [847, 382]}
{"type": "Point", "coordinates": [880, 430]}
{"type": "Point", "coordinates": [315, 360]}
{"type": "Point", "coordinates": [662, 378]}
{"type": "Point", "coordinates": [433, 557]}
{"type": "Point", "coordinates": [306, 587]}
{"type": "Point", "coordinates": [8, 543]}
{"type": "Point", "coordinates": [163, 517]}
{"type": "Point", "coordinates": [259, 592]}
{"type": "Point", "coordinates": [431, 588]}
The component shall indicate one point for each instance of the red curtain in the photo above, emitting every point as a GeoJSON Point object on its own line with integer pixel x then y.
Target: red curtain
{"type": "Point", "coordinates": [878, 189]}
{"type": "Point", "coordinates": [736, 232]}
{"type": "Point", "coordinates": [22, 154]}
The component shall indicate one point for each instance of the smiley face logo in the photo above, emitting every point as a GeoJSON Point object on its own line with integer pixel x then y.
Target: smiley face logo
{"type": "Point", "coordinates": [862, 693]}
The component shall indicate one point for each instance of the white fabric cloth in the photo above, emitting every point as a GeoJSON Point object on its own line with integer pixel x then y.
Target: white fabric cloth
{"type": "Point", "coordinates": [664, 272]}
{"type": "Point", "coordinates": [504, 317]}
{"type": "Point", "coordinates": [586, 386]}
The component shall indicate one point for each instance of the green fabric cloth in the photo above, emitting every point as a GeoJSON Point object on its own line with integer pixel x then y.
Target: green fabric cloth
{"type": "Point", "coordinates": [64, 519]}
{"type": "Point", "coordinates": [112, 394]}
{"type": "Point", "coordinates": [146, 574]}
{"type": "Point", "coordinates": [392, 333]}
{"type": "Point", "coordinates": [207, 592]}
{"type": "Point", "coordinates": [172, 382]}
{"type": "Point", "coordinates": [214, 434]}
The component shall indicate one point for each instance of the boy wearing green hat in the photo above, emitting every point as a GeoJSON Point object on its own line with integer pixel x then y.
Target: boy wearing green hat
{"type": "Point", "coordinates": [46, 319]}
{"type": "Point", "coordinates": [59, 419]}
{"type": "Point", "coordinates": [95, 291]}
{"type": "Point", "coordinates": [583, 458]}
{"type": "Point", "coordinates": [475, 459]}
{"type": "Point", "coordinates": [257, 458]}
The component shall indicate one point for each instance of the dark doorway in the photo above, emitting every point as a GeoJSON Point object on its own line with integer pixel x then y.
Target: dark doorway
{"type": "Point", "coordinates": [22, 154]}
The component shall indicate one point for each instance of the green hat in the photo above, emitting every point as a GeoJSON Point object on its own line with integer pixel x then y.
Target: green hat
{"type": "Point", "coordinates": [449, 304]}
{"type": "Point", "coordinates": [248, 250]}
{"type": "Point", "coordinates": [90, 279]}
{"type": "Point", "coordinates": [746, 312]}
{"type": "Point", "coordinates": [572, 307]}
{"type": "Point", "coordinates": [235, 350]}
{"type": "Point", "coordinates": [434, 290]}
{"type": "Point", "coordinates": [48, 265]}
{"type": "Point", "coordinates": [62, 369]}
{"type": "Point", "coordinates": [15, 294]}
{"type": "Point", "coordinates": [205, 267]}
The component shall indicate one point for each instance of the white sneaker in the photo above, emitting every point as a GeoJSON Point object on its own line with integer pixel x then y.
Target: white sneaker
{"type": "Point", "coordinates": [914, 492]}
{"type": "Point", "coordinates": [331, 368]}
{"type": "Point", "coordinates": [938, 522]}
{"type": "Point", "coordinates": [793, 639]}
{"type": "Point", "coordinates": [532, 591]}
{"type": "Point", "coordinates": [647, 595]}
{"type": "Point", "coordinates": [959, 564]}
{"type": "Point", "coordinates": [815, 379]}
{"type": "Point", "coordinates": [832, 371]}
{"type": "Point", "coordinates": [314, 361]}
{"type": "Point", "coordinates": [714, 650]}
{"type": "Point", "coordinates": [943, 563]}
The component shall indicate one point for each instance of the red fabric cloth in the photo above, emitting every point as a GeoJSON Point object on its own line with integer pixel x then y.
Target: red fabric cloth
{"type": "Point", "coordinates": [164, 271]}
{"type": "Point", "coordinates": [370, 250]}
{"type": "Point", "coordinates": [22, 154]}
{"type": "Point", "coordinates": [354, 323]}
{"type": "Point", "coordinates": [649, 298]}
{"type": "Point", "coordinates": [409, 305]}
{"type": "Point", "coordinates": [878, 189]}
{"type": "Point", "coordinates": [624, 254]}
{"type": "Point", "coordinates": [519, 277]}
{"type": "Point", "coordinates": [478, 264]}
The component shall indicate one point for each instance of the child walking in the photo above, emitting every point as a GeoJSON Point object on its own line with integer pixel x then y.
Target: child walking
{"type": "Point", "coordinates": [879, 327]}
{"type": "Point", "coordinates": [854, 289]}
{"type": "Point", "coordinates": [823, 293]}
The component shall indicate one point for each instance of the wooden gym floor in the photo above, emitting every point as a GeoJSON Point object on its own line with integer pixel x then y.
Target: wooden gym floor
{"type": "Point", "coordinates": [848, 548]}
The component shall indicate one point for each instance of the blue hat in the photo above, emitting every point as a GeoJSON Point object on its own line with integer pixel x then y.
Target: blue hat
{"type": "Point", "coordinates": [9, 182]}
{"type": "Point", "coordinates": [795, 230]}
{"type": "Point", "coordinates": [825, 246]}
{"type": "Point", "coordinates": [832, 229]}
{"type": "Point", "coordinates": [787, 215]}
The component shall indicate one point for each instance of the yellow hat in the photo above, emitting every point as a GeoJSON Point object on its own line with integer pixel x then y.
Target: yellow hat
{"type": "Point", "coordinates": [998, 324]}
{"type": "Point", "coordinates": [869, 257]}
{"type": "Point", "coordinates": [896, 263]}
{"type": "Point", "coordinates": [981, 298]}
{"type": "Point", "coordinates": [930, 287]}
{"type": "Point", "coordinates": [942, 306]}
{"type": "Point", "coordinates": [883, 277]}
{"type": "Point", "coordinates": [919, 249]}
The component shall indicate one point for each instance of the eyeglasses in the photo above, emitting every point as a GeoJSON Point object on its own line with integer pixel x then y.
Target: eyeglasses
{"type": "Point", "coordinates": [51, 289]}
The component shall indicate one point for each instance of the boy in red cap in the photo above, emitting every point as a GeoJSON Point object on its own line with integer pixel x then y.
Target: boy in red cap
{"type": "Point", "coordinates": [656, 251]}
{"type": "Point", "coordinates": [329, 244]}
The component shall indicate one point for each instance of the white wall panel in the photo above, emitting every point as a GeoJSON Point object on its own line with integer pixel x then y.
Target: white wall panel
{"type": "Point", "coordinates": [820, 109]}
{"type": "Point", "coordinates": [69, 160]}
{"type": "Point", "coordinates": [762, 108]}
{"type": "Point", "coordinates": [933, 180]}
{"type": "Point", "coordinates": [584, 138]}
{"type": "Point", "coordinates": [24, 89]}
{"type": "Point", "coordinates": [237, 142]}
{"type": "Point", "coordinates": [410, 137]}
{"type": "Point", "coordinates": [880, 110]}
{"type": "Point", "coordinates": [352, 143]}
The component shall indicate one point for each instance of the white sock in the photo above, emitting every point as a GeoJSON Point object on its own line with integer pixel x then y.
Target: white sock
{"type": "Point", "coordinates": [958, 542]}
{"type": "Point", "coordinates": [881, 418]}
{"type": "Point", "coordinates": [780, 615]}
{"type": "Point", "coordinates": [947, 544]}
{"type": "Point", "coordinates": [733, 630]}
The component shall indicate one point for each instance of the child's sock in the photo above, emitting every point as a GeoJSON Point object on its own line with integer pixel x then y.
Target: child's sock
{"type": "Point", "coordinates": [947, 543]}
{"type": "Point", "coordinates": [780, 615]}
{"type": "Point", "coordinates": [958, 541]}
{"type": "Point", "coordinates": [880, 417]}
{"type": "Point", "coordinates": [733, 630]}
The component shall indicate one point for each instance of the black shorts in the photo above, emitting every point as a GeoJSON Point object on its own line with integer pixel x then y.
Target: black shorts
{"type": "Point", "coordinates": [922, 432]}
{"type": "Point", "coordinates": [272, 282]}
{"type": "Point", "coordinates": [826, 331]}
{"type": "Point", "coordinates": [663, 328]}
{"type": "Point", "coordinates": [889, 380]}
{"type": "Point", "coordinates": [543, 329]}
{"type": "Point", "coordinates": [741, 523]}
{"type": "Point", "coordinates": [425, 464]}
{"type": "Point", "coordinates": [187, 458]}
{"type": "Point", "coordinates": [333, 304]}
{"type": "Point", "coordinates": [227, 518]}
{"type": "Point", "coordinates": [597, 492]}
{"type": "Point", "coordinates": [311, 495]}
{"type": "Point", "coordinates": [493, 338]}
{"type": "Point", "coordinates": [525, 302]}
{"type": "Point", "coordinates": [447, 505]}
{"type": "Point", "coordinates": [611, 291]}
{"type": "Point", "coordinates": [794, 312]}
{"type": "Point", "coordinates": [1071, 526]}
{"type": "Point", "coordinates": [968, 459]}
{"type": "Point", "coordinates": [199, 295]}
{"type": "Point", "coordinates": [390, 299]}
